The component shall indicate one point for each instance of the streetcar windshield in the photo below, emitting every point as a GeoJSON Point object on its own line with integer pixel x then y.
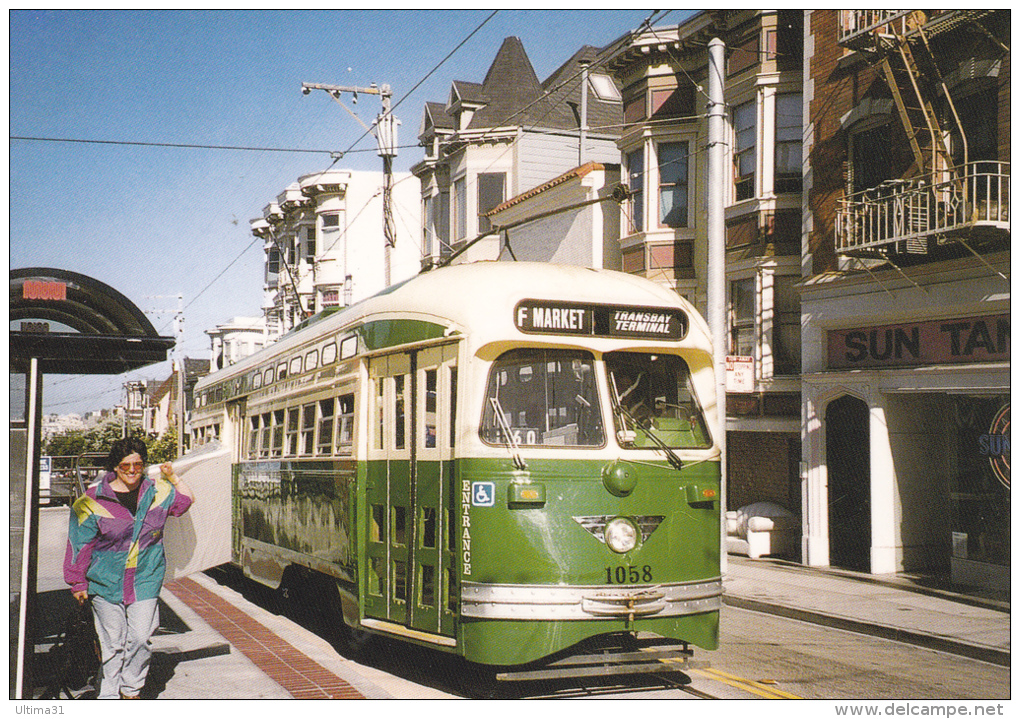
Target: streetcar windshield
{"type": "Point", "coordinates": [539, 397]}
{"type": "Point", "coordinates": [654, 395]}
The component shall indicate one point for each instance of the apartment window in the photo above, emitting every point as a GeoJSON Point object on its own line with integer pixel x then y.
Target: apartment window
{"type": "Point", "coordinates": [604, 88]}
{"type": "Point", "coordinates": [460, 208]}
{"type": "Point", "coordinates": [785, 326]}
{"type": "Point", "coordinates": [788, 142]}
{"type": "Point", "coordinates": [636, 182]}
{"type": "Point", "coordinates": [490, 194]}
{"type": "Point", "coordinates": [310, 248]}
{"type": "Point", "coordinates": [870, 162]}
{"type": "Point", "coordinates": [673, 165]}
{"type": "Point", "coordinates": [273, 262]}
{"type": "Point", "coordinates": [742, 317]}
{"type": "Point", "coordinates": [330, 222]}
{"type": "Point", "coordinates": [744, 159]}
{"type": "Point", "coordinates": [979, 116]}
{"type": "Point", "coordinates": [428, 230]}
{"type": "Point", "coordinates": [442, 227]}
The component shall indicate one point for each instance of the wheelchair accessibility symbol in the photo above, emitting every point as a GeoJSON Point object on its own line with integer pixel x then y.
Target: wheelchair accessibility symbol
{"type": "Point", "coordinates": [483, 494]}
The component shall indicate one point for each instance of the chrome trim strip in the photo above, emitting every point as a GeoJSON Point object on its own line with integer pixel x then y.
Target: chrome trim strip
{"type": "Point", "coordinates": [542, 602]}
{"type": "Point", "coordinates": [400, 630]}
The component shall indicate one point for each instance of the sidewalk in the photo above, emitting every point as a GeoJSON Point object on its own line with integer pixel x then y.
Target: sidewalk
{"type": "Point", "coordinates": [213, 644]}
{"type": "Point", "coordinates": [888, 606]}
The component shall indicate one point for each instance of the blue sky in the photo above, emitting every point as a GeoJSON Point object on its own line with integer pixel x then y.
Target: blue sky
{"type": "Point", "coordinates": [155, 222]}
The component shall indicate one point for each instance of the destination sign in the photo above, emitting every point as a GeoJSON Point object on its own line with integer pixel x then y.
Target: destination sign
{"type": "Point", "coordinates": [570, 318]}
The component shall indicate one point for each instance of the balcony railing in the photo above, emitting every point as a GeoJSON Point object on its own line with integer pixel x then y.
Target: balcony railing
{"type": "Point", "coordinates": [974, 196]}
{"type": "Point", "coordinates": [857, 25]}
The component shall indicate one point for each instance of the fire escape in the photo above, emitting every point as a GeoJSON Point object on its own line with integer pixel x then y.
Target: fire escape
{"type": "Point", "coordinates": [938, 201]}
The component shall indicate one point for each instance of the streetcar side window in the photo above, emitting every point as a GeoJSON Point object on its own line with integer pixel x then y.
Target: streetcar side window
{"type": "Point", "coordinates": [278, 416]}
{"type": "Point", "coordinates": [324, 445]}
{"type": "Point", "coordinates": [307, 430]}
{"type": "Point", "coordinates": [400, 418]}
{"type": "Point", "coordinates": [431, 378]}
{"type": "Point", "coordinates": [380, 413]}
{"type": "Point", "coordinates": [293, 422]}
{"type": "Point", "coordinates": [253, 437]}
{"type": "Point", "coordinates": [312, 360]}
{"type": "Point", "coordinates": [329, 354]}
{"type": "Point", "coordinates": [453, 407]}
{"type": "Point", "coordinates": [345, 430]}
{"type": "Point", "coordinates": [539, 397]}
{"type": "Point", "coordinates": [264, 429]}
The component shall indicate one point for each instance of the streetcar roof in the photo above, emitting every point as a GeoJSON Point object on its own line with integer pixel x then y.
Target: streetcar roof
{"type": "Point", "coordinates": [479, 299]}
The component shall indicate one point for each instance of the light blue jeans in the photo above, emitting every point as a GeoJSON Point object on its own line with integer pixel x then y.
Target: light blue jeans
{"type": "Point", "coordinates": [124, 634]}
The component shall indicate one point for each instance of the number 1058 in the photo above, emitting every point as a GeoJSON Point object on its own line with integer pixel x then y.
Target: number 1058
{"type": "Point", "coordinates": [628, 575]}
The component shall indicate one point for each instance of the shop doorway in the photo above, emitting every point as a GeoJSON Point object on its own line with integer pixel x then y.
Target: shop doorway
{"type": "Point", "coordinates": [848, 457]}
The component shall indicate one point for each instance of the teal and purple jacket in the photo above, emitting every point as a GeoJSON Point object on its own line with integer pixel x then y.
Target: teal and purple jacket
{"type": "Point", "coordinates": [113, 554]}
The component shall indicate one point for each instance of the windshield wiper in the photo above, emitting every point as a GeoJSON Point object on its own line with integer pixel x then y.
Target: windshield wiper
{"type": "Point", "coordinates": [511, 443]}
{"type": "Point", "coordinates": [618, 407]}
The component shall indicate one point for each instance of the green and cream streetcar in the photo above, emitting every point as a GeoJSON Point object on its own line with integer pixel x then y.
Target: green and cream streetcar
{"type": "Point", "coordinates": [508, 461]}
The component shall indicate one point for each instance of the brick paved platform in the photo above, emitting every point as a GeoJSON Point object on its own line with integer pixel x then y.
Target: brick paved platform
{"type": "Point", "coordinates": [302, 677]}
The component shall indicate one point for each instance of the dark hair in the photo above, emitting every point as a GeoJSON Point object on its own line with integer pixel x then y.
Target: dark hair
{"type": "Point", "coordinates": [125, 447]}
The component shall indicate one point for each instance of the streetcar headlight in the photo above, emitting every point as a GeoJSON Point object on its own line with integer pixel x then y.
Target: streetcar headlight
{"type": "Point", "coordinates": [621, 535]}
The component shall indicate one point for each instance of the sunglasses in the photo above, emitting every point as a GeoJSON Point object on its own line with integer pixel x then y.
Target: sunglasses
{"type": "Point", "coordinates": [131, 466]}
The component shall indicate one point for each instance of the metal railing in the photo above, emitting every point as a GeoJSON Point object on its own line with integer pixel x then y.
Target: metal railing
{"type": "Point", "coordinates": [858, 24]}
{"type": "Point", "coordinates": [910, 211]}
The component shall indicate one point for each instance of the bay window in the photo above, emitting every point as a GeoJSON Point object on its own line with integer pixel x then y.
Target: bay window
{"type": "Point", "coordinates": [673, 183]}
{"type": "Point", "coordinates": [744, 158]}
{"type": "Point", "coordinates": [636, 183]}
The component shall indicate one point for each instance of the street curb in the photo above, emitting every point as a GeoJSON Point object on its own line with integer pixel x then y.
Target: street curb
{"type": "Point", "coordinates": [985, 654]}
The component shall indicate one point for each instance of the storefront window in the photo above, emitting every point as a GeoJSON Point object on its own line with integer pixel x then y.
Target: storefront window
{"type": "Point", "coordinates": [979, 480]}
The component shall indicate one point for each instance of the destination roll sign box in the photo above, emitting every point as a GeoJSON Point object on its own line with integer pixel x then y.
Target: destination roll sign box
{"type": "Point", "coordinates": [571, 318]}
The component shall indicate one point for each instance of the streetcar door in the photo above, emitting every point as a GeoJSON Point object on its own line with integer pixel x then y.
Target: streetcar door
{"type": "Point", "coordinates": [433, 586]}
{"type": "Point", "coordinates": [388, 488]}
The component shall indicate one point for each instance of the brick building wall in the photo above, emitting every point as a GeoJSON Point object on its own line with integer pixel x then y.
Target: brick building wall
{"type": "Point", "coordinates": [763, 467]}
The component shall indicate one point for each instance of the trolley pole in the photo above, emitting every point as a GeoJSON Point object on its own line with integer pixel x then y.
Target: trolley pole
{"type": "Point", "coordinates": [717, 258]}
{"type": "Point", "coordinates": [385, 132]}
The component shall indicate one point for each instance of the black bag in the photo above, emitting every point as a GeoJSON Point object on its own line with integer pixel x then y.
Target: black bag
{"type": "Point", "coordinates": [75, 658]}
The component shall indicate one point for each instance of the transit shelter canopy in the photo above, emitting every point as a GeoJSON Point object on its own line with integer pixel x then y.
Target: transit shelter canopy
{"type": "Point", "coordinates": [75, 324]}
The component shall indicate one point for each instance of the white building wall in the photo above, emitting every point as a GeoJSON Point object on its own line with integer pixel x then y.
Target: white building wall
{"type": "Point", "coordinates": [908, 434]}
{"type": "Point", "coordinates": [545, 156]}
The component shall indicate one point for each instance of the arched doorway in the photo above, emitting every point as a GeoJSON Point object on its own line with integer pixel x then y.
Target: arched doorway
{"type": "Point", "coordinates": [848, 456]}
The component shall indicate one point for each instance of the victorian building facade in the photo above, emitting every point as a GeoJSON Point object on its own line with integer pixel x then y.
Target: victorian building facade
{"type": "Point", "coordinates": [663, 74]}
{"type": "Point", "coordinates": [324, 247]}
{"type": "Point", "coordinates": [498, 139]}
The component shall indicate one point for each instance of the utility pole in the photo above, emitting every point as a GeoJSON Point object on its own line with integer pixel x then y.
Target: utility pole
{"type": "Point", "coordinates": [716, 226]}
{"type": "Point", "coordinates": [177, 364]}
{"type": "Point", "coordinates": [179, 334]}
{"type": "Point", "coordinates": [385, 133]}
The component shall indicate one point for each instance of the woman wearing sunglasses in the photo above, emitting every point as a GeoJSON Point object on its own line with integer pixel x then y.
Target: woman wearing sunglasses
{"type": "Point", "coordinates": [115, 558]}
